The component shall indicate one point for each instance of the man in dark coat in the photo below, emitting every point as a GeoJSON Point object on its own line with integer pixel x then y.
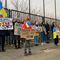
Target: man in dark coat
{"type": "Point", "coordinates": [47, 31]}
{"type": "Point", "coordinates": [52, 26]}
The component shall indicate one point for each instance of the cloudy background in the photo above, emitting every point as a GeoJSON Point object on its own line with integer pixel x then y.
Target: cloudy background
{"type": "Point", "coordinates": [36, 7]}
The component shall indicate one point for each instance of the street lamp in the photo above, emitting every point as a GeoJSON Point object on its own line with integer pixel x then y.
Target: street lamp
{"type": "Point", "coordinates": [55, 10]}
{"type": "Point", "coordinates": [5, 3]}
{"type": "Point", "coordinates": [44, 7]}
{"type": "Point", "coordinates": [43, 18]}
{"type": "Point", "coordinates": [29, 10]}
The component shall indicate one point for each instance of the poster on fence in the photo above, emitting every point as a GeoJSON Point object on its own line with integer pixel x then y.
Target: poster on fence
{"type": "Point", "coordinates": [17, 28]}
{"type": "Point", "coordinates": [6, 24]}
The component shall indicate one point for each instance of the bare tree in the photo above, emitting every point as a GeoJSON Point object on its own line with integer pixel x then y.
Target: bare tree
{"type": "Point", "coordinates": [15, 3]}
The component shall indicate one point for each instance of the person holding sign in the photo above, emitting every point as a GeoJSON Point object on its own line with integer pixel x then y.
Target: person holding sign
{"type": "Point", "coordinates": [3, 14]}
{"type": "Point", "coordinates": [17, 35]}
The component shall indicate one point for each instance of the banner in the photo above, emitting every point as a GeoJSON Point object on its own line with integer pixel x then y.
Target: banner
{"type": "Point", "coordinates": [17, 28]}
{"type": "Point", "coordinates": [6, 24]}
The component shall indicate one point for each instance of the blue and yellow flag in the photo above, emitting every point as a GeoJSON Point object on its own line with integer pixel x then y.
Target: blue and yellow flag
{"type": "Point", "coordinates": [3, 13]}
{"type": "Point", "coordinates": [55, 30]}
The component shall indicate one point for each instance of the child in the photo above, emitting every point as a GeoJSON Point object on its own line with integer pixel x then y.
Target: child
{"type": "Point", "coordinates": [56, 40]}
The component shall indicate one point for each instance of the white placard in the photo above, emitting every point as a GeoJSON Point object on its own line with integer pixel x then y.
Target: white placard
{"type": "Point", "coordinates": [6, 24]}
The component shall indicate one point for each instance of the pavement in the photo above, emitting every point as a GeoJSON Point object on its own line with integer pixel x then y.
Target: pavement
{"type": "Point", "coordinates": [44, 52]}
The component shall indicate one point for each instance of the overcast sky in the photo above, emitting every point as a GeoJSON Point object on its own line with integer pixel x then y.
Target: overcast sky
{"type": "Point", "coordinates": [37, 7]}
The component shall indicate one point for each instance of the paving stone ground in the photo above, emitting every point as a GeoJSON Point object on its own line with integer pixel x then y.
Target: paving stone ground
{"type": "Point", "coordinates": [45, 52]}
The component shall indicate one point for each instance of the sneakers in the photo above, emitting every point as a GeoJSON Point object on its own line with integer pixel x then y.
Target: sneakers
{"type": "Point", "coordinates": [26, 54]}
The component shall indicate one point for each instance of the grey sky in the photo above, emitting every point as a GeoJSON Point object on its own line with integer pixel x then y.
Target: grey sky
{"type": "Point", "coordinates": [37, 7]}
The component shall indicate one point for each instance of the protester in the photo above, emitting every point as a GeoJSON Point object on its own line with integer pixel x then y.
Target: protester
{"type": "Point", "coordinates": [52, 26]}
{"type": "Point", "coordinates": [43, 33]}
{"type": "Point", "coordinates": [47, 31]}
{"type": "Point", "coordinates": [27, 43]}
{"type": "Point", "coordinates": [51, 30]}
{"type": "Point", "coordinates": [16, 38]}
{"type": "Point", "coordinates": [36, 37]}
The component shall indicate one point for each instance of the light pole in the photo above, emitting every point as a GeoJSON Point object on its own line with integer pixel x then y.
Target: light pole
{"type": "Point", "coordinates": [29, 10]}
{"type": "Point", "coordinates": [44, 7]}
{"type": "Point", "coordinates": [5, 3]}
{"type": "Point", "coordinates": [43, 18]}
{"type": "Point", "coordinates": [17, 5]}
{"type": "Point", "coordinates": [55, 9]}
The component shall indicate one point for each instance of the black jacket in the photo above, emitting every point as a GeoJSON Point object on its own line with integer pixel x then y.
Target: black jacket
{"type": "Point", "coordinates": [4, 32]}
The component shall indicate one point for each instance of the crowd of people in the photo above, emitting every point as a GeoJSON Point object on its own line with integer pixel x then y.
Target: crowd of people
{"type": "Point", "coordinates": [45, 36]}
{"type": "Point", "coordinates": [46, 30]}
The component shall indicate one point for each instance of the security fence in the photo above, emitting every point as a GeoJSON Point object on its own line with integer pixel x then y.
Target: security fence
{"type": "Point", "coordinates": [22, 15]}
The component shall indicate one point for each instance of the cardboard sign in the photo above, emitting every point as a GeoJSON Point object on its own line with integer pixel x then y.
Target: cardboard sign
{"type": "Point", "coordinates": [28, 34]}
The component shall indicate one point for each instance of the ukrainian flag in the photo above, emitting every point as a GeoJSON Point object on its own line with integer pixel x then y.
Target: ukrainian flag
{"type": "Point", "coordinates": [2, 11]}
{"type": "Point", "coordinates": [54, 35]}
{"type": "Point", "coordinates": [55, 30]}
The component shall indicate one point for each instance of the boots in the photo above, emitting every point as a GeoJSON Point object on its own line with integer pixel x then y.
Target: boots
{"type": "Point", "coordinates": [27, 53]}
